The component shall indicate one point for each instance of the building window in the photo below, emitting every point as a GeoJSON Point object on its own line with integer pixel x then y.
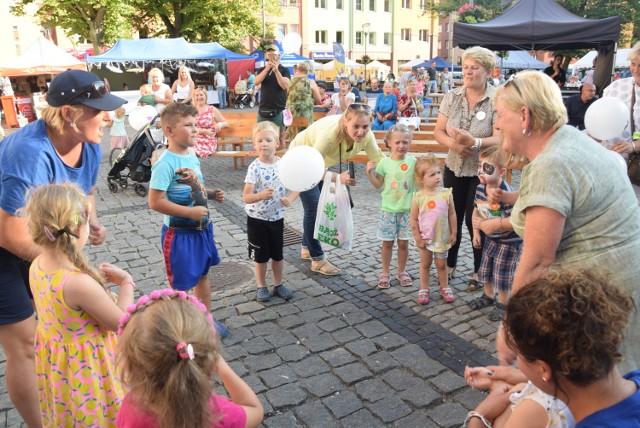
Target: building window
{"type": "Point", "coordinates": [372, 38]}
{"type": "Point", "coordinates": [405, 34]}
{"type": "Point", "coordinates": [340, 36]}
{"type": "Point", "coordinates": [424, 35]}
{"type": "Point", "coordinates": [293, 28]}
{"type": "Point", "coordinates": [424, 4]}
{"type": "Point", "coordinates": [359, 38]}
{"type": "Point", "coordinates": [339, 5]}
{"type": "Point", "coordinates": [321, 4]}
{"type": "Point", "coordinates": [446, 44]}
{"type": "Point", "coordinates": [372, 5]}
{"type": "Point", "coordinates": [387, 5]}
{"type": "Point", "coordinates": [321, 36]}
{"type": "Point", "coordinates": [446, 27]}
{"type": "Point", "coordinates": [406, 4]}
{"type": "Point", "coordinates": [387, 39]}
{"type": "Point", "coordinates": [358, 4]}
{"type": "Point", "coordinates": [281, 31]}
{"type": "Point", "coordinates": [293, 3]}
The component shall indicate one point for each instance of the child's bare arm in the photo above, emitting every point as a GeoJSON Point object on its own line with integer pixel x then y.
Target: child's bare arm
{"type": "Point", "coordinates": [288, 200]}
{"type": "Point", "coordinates": [159, 203]}
{"type": "Point", "coordinates": [413, 223]}
{"type": "Point", "coordinates": [475, 220]}
{"type": "Point", "coordinates": [453, 221]}
{"type": "Point", "coordinates": [241, 393]}
{"type": "Point", "coordinates": [248, 197]}
{"type": "Point", "coordinates": [376, 180]}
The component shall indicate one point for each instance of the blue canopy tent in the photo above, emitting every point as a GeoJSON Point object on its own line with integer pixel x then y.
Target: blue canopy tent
{"type": "Point", "coordinates": [440, 65]}
{"type": "Point", "coordinates": [237, 64]}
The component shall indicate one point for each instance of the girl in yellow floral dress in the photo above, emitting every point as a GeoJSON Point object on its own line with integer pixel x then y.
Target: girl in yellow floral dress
{"type": "Point", "coordinates": [77, 317]}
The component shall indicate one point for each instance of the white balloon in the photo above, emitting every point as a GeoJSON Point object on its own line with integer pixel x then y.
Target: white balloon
{"type": "Point", "coordinates": [301, 168]}
{"type": "Point", "coordinates": [291, 42]}
{"type": "Point", "coordinates": [606, 118]}
{"type": "Point", "coordinates": [140, 117]}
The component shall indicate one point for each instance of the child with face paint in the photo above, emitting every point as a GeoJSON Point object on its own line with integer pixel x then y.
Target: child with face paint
{"type": "Point", "coordinates": [502, 247]}
{"type": "Point", "coordinates": [434, 226]}
{"type": "Point", "coordinates": [395, 176]}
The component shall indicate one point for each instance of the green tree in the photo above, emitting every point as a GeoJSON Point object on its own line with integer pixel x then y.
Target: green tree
{"type": "Point", "coordinates": [99, 21]}
{"type": "Point", "coordinates": [223, 21]}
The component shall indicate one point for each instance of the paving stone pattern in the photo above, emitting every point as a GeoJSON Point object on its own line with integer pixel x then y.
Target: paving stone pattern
{"type": "Point", "coordinates": [341, 353]}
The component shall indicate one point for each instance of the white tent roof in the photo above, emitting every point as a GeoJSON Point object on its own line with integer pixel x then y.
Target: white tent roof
{"type": "Point", "coordinates": [586, 61]}
{"type": "Point", "coordinates": [348, 63]}
{"type": "Point", "coordinates": [43, 57]}
{"type": "Point", "coordinates": [412, 63]}
{"type": "Point", "coordinates": [377, 65]}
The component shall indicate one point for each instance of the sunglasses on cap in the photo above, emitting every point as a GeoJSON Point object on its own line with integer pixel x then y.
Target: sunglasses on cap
{"type": "Point", "coordinates": [96, 90]}
{"type": "Point", "coordinates": [359, 107]}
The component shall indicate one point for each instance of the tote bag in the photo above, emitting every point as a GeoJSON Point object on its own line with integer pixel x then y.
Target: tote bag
{"type": "Point", "coordinates": [334, 220]}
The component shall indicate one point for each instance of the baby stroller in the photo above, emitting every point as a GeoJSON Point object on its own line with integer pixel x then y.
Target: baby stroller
{"type": "Point", "coordinates": [243, 97]}
{"type": "Point", "coordinates": [137, 159]}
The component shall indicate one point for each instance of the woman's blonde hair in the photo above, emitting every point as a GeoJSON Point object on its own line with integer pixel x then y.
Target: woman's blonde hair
{"type": "Point", "coordinates": [164, 381]}
{"type": "Point", "coordinates": [185, 68]}
{"type": "Point", "coordinates": [539, 94]}
{"type": "Point", "coordinates": [265, 126]}
{"type": "Point", "coordinates": [422, 165]}
{"type": "Point", "coordinates": [354, 109]}
{"type": "Point", "coordinates": [55, 213]}
{"type": "Point", "coordinates": [54, 116]}
{"type": "Point", "coordinates": [155, 71]}
{"type": "Point", "coordinates": [634, 54]}
{"type": "Point", "coordinates": [204, 91]}
{"type": "Point", "coordinates": [482, 56]}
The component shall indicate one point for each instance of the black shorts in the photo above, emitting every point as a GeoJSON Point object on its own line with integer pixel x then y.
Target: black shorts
{"type": "Point", "coordinates": [15, 294]}
{"type": "Point", "coordinates": [265, 239]}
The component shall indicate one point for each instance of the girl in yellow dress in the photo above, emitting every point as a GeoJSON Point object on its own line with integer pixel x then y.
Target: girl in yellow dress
{"type": "Point", "coordinates": [77, 317]}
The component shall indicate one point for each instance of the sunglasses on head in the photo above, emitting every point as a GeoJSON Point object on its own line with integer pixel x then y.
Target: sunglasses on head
{"type": "Point", "coordinates": [512, 82]}
{"type": "Point", "coordinates": [96, 90]}
{"type": "Point", "coordinates": [359, 107]}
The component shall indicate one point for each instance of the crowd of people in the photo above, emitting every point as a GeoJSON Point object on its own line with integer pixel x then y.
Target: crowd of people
{"type": "Point", "coordinates": [561, 252]}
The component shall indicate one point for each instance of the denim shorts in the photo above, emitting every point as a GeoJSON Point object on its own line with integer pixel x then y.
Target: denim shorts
{"type": "Point", "coordinates": [15, 294]}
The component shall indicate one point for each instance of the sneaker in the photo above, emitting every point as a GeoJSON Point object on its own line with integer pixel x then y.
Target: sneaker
{"type": "Point", "coordinates": [282, 292]}
{"type": "Point", "coordinates": [497, 313]}
{"type": "Point", "coordinates": [263, 295]}
{"type": "Point", "coordinates": [423, 296]}
{"type": "Point", "coordinates": [221, 329]}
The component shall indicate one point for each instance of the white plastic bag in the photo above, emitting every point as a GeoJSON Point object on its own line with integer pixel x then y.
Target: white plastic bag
{"type": "Point", "coordinates": [410, 121]}
{"type": "Point", "coordinates": [334, 221]}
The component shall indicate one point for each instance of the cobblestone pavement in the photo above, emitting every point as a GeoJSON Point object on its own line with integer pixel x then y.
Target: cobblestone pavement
{"type": "Point", "coordinates": [341, 353]}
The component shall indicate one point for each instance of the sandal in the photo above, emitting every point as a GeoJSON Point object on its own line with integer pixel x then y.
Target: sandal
{"type": "Point", "coordinates": [447, 294]}
{"type": "Point", "coordinates": [405, 279]}
{"type": "Point", "coordinates": [325, 268]}
{"type": "Point", "coordinates": [497, 313]}
{"type": "Point", "coordinates": [383, 281]}
{"type": "Point", "coordinates": [423, 296]}
{"type": "Point", "coordinates": [451, 273]}
{"type": "Point", "coordinates": [305, 254]}
{"type": "Point", "coordinates": [474, 285]}
{"type": "Point", "coordinates": [481, 302]}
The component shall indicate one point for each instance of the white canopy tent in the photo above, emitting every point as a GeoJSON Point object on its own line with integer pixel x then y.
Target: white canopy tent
{"type": "Point", "coordinates": [377, 65]}
{"type": "Point", "coordinates": [409, 65]}
{"type": "Point", "coordinates": [43, 57]}
{"type": "Point", "coordinates": [622, 60]}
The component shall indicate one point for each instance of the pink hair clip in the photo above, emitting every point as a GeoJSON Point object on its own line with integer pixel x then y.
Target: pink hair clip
{"type": "Point", "coordinates": [185, 351]}
{"type": "Point", "coordinates": [48, 234]}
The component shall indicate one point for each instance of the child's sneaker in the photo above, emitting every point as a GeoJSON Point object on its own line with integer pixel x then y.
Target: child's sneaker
{"type": "Point", "coordinates": [282, 292]}
{"type": "Point", "coordinates": [221, 329]}
{"type": "Point", "coordinates": [497, 313]}
{"type": "Point", "coordinates": [447, 294]}
{"type": "Point", "coordinates": [423, 296]}
{"type": "Point", "coordinates": [263, 295]}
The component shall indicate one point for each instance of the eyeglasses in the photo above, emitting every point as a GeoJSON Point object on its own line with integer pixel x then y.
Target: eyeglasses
{"type": "Point", "coordinates": [359, 107]}
{"type": "Point", "coordinates": [96, 90]}
{"type": "Point", "coordinates": [512, 82]}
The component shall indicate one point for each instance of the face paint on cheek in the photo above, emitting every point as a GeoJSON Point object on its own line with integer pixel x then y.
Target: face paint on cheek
{"type": "Point", "coordinates": [488, 169]}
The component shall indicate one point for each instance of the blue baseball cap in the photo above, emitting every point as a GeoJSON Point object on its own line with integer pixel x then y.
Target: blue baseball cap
{"type": "Point", "coordinates": [74, 87]}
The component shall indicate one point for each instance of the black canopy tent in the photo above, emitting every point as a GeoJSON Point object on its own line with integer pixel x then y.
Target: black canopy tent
{"type": "Point", "coordinates": [545, 25]}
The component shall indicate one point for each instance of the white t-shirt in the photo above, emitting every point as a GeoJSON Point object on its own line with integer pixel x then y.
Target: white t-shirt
{"type": "Point", "coordinates": [335, 100]}
{"type": "Point", "coordinates": [263, 176]}
{"type": "Point", "coordinates": [220, 80]}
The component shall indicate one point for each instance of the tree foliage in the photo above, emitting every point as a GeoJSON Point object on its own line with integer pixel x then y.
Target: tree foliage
{"type": "Point", "coordinates": [223, 21]}
{"type": "Point", "coordinates": [99, 21]}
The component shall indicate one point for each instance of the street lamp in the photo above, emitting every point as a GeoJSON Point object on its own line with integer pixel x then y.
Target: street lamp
{"type": "Point", "coordinates": [365, 31]}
